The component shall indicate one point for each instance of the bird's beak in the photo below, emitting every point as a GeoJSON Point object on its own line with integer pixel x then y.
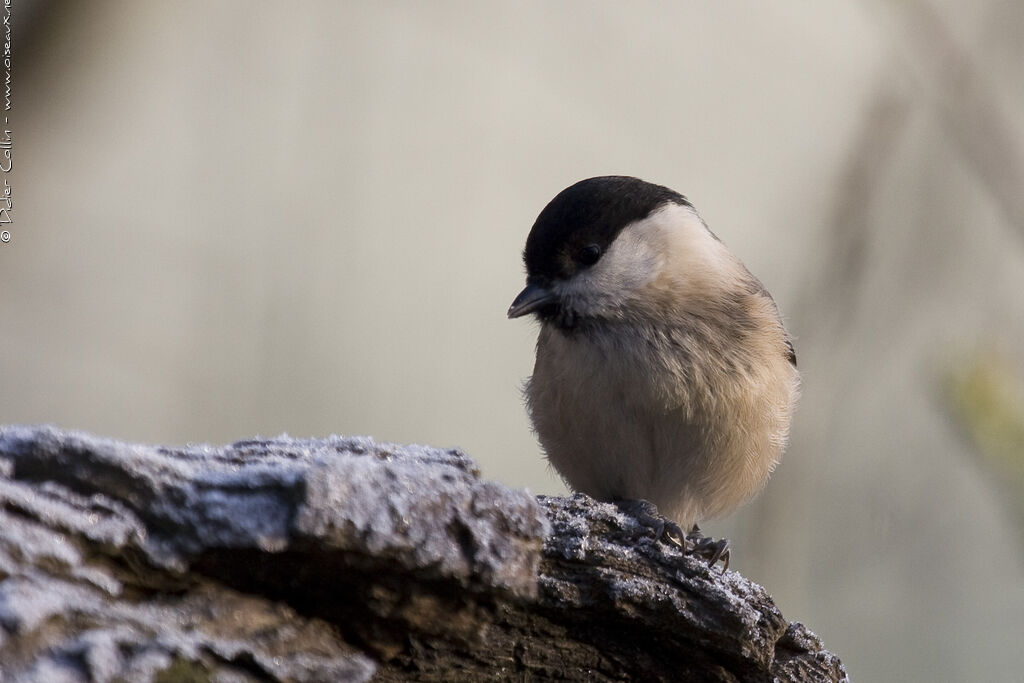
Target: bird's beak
{"type": "Point", "coordinates": [529, 300]}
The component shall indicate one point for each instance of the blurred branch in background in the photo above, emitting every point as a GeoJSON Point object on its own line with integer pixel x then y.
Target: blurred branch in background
{"type": "Point", "coordinates": [834, 294]}
{"type": "Point", "coordinates": [986, 400]}
{"type": "Point", "coordinates": [981, 390]}
{"type": "Point", "coordinates": [968, 104]}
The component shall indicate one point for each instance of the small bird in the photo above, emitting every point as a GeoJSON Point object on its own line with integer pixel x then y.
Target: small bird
{"type": "Point", "coordinates": [664, 374]}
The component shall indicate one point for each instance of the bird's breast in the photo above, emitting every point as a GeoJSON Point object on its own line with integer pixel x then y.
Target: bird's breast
{"type": "Point", "coordinates": [661, 416]}
{"type": "Point", "coordinates": [591, 367]}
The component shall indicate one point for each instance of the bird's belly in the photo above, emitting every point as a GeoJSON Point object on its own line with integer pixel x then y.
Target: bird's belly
{"type": "Point", "coordinates": [613, 432]}
{"type": "Point", "coordinates": [609, 433]}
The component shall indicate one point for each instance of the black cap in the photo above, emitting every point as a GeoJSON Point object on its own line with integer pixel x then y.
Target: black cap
{"type": "Point", "coordinates": [591, 212]}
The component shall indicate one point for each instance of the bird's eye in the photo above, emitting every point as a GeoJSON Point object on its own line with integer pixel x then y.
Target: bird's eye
{"type": "Point", "coordinates": [588, 255]}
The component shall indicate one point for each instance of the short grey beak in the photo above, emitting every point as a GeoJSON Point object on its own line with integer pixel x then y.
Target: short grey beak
{"type": "Point", "coordinates": [529, 300]}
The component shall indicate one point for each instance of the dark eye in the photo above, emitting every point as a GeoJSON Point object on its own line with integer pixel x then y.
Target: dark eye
{"type": "Point", "coordinates": [588, 255]}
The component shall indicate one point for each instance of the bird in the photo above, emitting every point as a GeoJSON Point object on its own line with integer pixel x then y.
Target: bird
{"type": "Point", "coordinates": [664, 375]}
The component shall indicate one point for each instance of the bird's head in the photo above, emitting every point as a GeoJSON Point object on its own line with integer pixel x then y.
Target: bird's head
{"type": "Point", "coordinates": [614, 248]}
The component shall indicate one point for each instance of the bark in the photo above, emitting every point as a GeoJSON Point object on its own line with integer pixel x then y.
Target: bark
{"type": "Point", "coordinates": [343, 559]}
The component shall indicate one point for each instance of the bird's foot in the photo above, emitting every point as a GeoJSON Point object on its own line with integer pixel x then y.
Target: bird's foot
{"type": "Point", "coordinates": [646, 513]}
{"type": "Point", "coordinates": [708, 548]}
{"type": "Point", "coordinates": [693, 543]}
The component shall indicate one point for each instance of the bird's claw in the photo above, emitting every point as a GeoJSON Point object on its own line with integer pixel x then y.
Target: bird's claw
{"type": "Point", "coordinates": [708, 548]}
{"type": "Point", "coordinates": [693, 543]}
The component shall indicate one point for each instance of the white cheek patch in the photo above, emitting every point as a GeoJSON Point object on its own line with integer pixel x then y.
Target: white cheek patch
{"type": "Point", "coordinates": [669, 243]}
{"type": "Point", "coordinates": [624, 270]}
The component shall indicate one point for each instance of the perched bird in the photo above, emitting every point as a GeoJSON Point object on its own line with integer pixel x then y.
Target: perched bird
{"type": "Point", "coordinates": [663, 370]}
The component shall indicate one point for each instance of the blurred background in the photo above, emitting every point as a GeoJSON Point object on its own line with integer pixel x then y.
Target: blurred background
{"type": "Point", "coordinates": [237, 218]}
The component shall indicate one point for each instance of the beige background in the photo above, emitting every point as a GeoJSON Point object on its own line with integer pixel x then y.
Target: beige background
{"type": "Point", "coordinates": [240, 218]}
